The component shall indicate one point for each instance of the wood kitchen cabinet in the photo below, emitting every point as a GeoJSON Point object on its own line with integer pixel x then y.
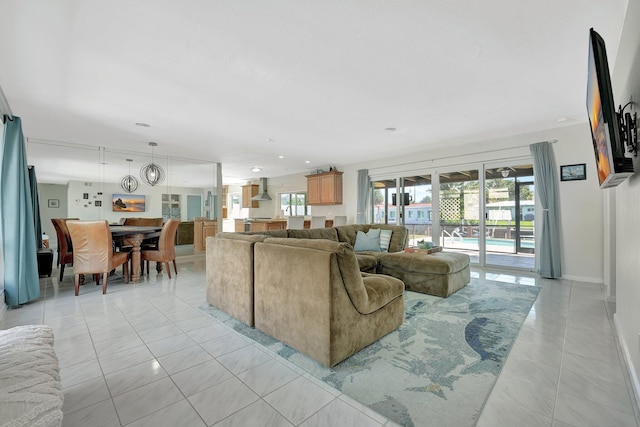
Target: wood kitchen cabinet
{"type": "Point", "coordinates": [248, 191]}
{"type": "Point", "coordinates": [324, 188]}
{"type": "Point", "coordinates": [203, 228]}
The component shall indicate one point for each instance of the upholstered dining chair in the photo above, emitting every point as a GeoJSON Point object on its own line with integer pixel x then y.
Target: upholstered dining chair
{"type": "Point", "coordinates": [295, 223]}
{"type": "Point", "coordinates": [65, 247]}
{"type": "Point", "coordinates": [318, 221]}
{"type": "Point", "coordinates": [166, 250]}
{"type": "Point", "coordinates": [339, 220]}
{"type": "Point", "coordinates": [93, 252]}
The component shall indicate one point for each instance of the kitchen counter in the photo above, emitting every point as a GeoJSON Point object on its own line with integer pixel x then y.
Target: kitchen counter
{"type": "Point", "coordinates": [267, 224]}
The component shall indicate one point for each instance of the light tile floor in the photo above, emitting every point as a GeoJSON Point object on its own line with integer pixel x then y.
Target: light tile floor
{"type": "Point", "coordinates": [145, 355]}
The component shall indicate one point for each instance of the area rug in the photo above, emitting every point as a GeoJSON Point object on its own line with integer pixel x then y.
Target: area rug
{"type": "Point", "coordinates": [439, 367]}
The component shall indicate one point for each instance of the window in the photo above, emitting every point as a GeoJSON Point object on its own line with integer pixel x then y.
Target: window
{"type": "Point", "coordinates": [294, 204]}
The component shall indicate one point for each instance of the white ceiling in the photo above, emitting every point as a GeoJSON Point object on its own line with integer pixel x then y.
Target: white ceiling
{"type": "Point", "coordinates": [242, 82]}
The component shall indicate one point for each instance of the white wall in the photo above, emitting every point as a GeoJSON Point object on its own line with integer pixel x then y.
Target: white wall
{"type": "Point", "coordinates": [52, 192]}
{"type": "Point", "coordinates": [626, 86]}
{"type": "Point", "coordinates": [72, 204]}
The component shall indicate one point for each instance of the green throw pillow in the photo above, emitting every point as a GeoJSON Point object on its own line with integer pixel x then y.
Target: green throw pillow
{"type": "Point", "coordinates": [369, 242]}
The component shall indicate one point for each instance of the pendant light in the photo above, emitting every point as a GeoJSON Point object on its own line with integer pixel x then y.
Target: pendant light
{"type": "Point", "coordinates": [129, 183]}
{"type": "Point", "coordinates": [151, 173]}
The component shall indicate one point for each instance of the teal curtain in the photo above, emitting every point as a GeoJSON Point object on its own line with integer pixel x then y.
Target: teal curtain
{"type": "Point", "coordinates": [544, 169]}
{"type": "Point", "coordinates": [17, 231]}
{"type": "Point", "coordinates": [35, 205]}
{"type": "Point", "coordinates": [363, 196]}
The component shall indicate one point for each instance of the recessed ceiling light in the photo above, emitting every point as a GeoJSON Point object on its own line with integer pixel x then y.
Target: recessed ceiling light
{"type": "Point", "coordinates": [143, 125]}
{"type": "Point", "coordinates": [256, 169]}
{"type": "Point", "coordinates": [390, 129]}
{"type": "Point", "coordinates": [281, 157]}
{"type": "Point", "coordinates": [307, 161]}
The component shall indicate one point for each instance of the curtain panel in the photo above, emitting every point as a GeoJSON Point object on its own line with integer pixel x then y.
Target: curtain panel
{"type": "Point", "coordinates": [549, 251]}
{"type": "Point", "coordinates": [17, 230]}
{"type": "Point", "coordinates": [363, 196]}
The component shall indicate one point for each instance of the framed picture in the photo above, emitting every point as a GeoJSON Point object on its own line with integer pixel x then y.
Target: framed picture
{"type": "Point", "coordinates": [128, 203]}
{"type": "Point", "coordinates": [54, 203]}
{"type": "Point", "coordinates": [573, 172]}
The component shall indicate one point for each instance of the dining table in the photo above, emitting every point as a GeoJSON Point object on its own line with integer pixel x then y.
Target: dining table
{"type": "Point", "coordinates": [134, 235]}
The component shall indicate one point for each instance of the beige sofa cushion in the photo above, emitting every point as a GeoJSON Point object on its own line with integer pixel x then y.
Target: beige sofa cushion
{"type": "Point", "coordinates": [314, 233]}
{"type": "Point", "coordinates": [366, 296]}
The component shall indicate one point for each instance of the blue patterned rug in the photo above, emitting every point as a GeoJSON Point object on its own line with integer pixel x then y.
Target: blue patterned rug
{"type": "Point", "coordinates": [438, 368]}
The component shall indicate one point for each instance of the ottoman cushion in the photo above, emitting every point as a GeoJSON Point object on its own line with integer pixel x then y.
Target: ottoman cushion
{"type": "Point", "coordinates": [440, 273]}
{"type": "Point", "coordinates": [436, 263]}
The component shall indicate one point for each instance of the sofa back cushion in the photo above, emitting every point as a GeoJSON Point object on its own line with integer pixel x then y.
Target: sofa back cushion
{"type": "Point", "coordinates": [347, 264]}
{"type": "Point", "coordinates": [314, 233]}
{"type": "Point", "coordinates": [399, 237]}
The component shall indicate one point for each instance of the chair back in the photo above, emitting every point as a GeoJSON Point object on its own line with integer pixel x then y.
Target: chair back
{"type": "Point", "coordinates": [339, 220]}
{"type": "Point", "coordinates": [318, 221]}
{"type": "Point", "coordinates": [92, 246]}
{"type": "Point", "coordinates": [295, 223]}
{"type": "Point", "coordinates": [151, 222]}
{"type": "Point", "coordinates": [62, 233]}
{"type": "Point", "coordinates": [167, 240]}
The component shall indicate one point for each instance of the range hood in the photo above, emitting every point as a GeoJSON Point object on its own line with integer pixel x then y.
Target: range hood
{"type": "Point", "coordinates": [262, 191]}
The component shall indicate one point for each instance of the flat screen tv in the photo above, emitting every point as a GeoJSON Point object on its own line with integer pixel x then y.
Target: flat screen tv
{"type": "Point", "coordinates": [612, 165]}
{"type": "Point", "coordinates": [128, 203]}
{"type": "Point", "coordinates": [406, 200]}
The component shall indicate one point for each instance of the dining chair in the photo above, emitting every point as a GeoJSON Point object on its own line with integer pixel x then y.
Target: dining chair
{"type": "Point", "coordinates": [295, 223]}
{"type": "Point", "coordinates": [318, 222]}
{"type": "Point", "coordinates": [93, 252]}
{"type": "Point", "coordinates": [339, 220]}
{"type": "Point", "coordinates": [166, 250]}
{"type": "Point", "coordinates": [65, 247]}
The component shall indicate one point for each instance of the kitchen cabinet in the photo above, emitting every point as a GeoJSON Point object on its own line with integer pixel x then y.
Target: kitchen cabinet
{"type": "Point", "coordinates": [170, 206]}
{"type": "Point", "coordinates": [248, 191]}
{"type": "Point", "coordinates": [267, 224]}
{"type": "Point", "coordinates": [324, 188]}
{"type": "Point", "coordinates": [203, 228]}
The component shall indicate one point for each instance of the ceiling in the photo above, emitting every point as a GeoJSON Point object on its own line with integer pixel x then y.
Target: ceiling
{"type": "Point", "coordinates": [244, 82]}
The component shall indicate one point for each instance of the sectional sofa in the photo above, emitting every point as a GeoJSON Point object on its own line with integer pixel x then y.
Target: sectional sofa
{"type": "Point", "coordinates": [310, 290]}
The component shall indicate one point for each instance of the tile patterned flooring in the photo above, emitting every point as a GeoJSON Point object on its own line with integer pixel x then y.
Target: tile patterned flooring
{"type": "Point", "coordinates": [145, 355]}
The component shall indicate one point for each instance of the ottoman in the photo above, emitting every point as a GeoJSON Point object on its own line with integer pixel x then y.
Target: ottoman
{"type": "Point", "coordinates": [440, 273]}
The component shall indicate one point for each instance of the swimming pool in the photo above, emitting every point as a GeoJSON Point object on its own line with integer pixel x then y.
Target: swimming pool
{"type": "Point", "coordinates": [498, 242]}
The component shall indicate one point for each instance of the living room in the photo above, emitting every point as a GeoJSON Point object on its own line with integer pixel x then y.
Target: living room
{"type": "Point", "coordinates": [598, 231]}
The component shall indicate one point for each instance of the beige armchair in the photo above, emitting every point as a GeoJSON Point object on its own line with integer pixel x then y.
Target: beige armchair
{"type": "Point", "coordinates": [93, 252]}
{"type": "Point", "coordinates": [166, 250]}
{"type": "Point", "coordinates": [310, 295]}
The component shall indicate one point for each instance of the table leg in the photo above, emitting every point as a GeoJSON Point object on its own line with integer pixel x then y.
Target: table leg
{"type": "Point", "coordinates": [136, 241]}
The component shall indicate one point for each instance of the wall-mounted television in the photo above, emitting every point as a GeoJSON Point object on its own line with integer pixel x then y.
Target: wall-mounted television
{"type": "Point", "coordinates": [612, 165]}
{"type": "Point", "coordinates": [128, 203]}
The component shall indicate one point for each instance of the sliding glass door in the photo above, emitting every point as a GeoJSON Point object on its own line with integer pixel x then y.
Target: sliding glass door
{"type": "Point", "coordinates": [510, 216]}
{"type": "Point", "coordinates": [459, 198]}
{"type": "Point", "coordinates": [486, 211]}
{"type": "Point", "coordinates": [416, 207]}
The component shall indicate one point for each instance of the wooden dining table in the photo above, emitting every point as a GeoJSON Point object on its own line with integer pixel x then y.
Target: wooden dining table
{"type": "Point", "coordinates": [134, 235]}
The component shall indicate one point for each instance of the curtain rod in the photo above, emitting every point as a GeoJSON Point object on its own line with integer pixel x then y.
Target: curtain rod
{"type": "Point", "coordinates": [5, 109]}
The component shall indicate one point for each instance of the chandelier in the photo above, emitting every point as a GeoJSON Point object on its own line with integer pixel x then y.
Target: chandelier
{"type": "Point", "coordinates": [129, 183]}
{"type": "Point", "coordinates": [151, 173]}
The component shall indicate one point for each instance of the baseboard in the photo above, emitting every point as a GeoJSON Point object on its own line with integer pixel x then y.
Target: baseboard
{"type": "Point", "coordinates": [583, 279]}
{"type": "Point", "coordinates": [635, 383]}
